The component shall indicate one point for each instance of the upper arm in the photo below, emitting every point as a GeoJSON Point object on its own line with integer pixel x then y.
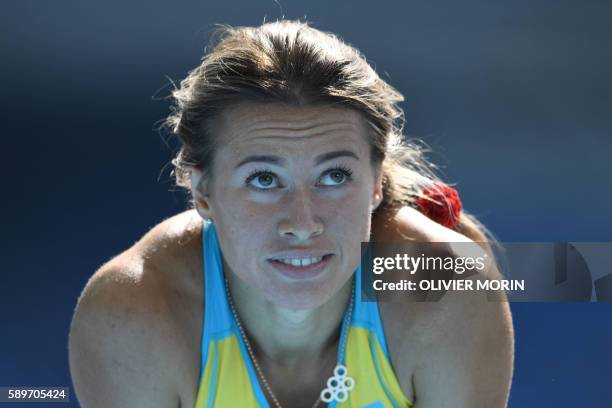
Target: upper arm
{"type": "Point", "coordinates": [471, 365]}
{"type": "Point", "coordinates": [117, 348]}
{"type": "Point", "coordinates": [468, 347]}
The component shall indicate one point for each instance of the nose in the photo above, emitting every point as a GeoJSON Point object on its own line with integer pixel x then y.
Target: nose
{"type": "Point", "coordinates": [301, 222]}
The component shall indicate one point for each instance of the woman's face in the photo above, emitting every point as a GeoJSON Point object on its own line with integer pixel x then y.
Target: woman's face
{"type": "Point", "coordinates": [291, 194]}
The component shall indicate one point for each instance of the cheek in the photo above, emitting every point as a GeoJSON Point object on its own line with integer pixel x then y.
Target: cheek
{"type": "Point", "coordinates": [243, 226]}
{"type": "Point", "coordinates": [239, 243]}
{"type": "Point", "coordinates": [350, 216]}
{"type": "Point", "coordinates": [236, 207]}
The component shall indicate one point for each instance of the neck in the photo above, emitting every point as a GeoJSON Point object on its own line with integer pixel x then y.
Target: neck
{"type": "Point", "coordinates": [289, 337]}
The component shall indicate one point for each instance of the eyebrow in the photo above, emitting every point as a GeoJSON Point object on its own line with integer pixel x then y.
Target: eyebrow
{"type": "Point", "coordinates": [322, 158]}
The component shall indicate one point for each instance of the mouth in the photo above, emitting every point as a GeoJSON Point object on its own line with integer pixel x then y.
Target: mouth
{"type": "Point", "coordinates": [301, 267]}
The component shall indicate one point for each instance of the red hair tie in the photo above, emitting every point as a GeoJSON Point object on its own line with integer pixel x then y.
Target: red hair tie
{"type": "Point", "coordinates": [441, 203]}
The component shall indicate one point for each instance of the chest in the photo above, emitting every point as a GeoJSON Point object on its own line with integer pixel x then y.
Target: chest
{"type": "Point", "coordinates": [296, 389]}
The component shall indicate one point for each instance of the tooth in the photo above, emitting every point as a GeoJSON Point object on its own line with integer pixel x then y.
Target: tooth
{"type": "Point", "coordinates": [301, 261]}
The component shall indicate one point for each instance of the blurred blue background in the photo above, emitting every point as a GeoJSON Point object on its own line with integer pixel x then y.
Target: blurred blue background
{"type": "Point", "coordinates": [515, 98]}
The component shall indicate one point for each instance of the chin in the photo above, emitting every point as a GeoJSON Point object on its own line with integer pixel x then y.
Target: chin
{"type": "Point", "coordinates": [299, 296]}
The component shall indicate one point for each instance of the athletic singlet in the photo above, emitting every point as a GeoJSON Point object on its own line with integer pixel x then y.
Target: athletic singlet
{"type": "Point", "coordinates": [227, 377]}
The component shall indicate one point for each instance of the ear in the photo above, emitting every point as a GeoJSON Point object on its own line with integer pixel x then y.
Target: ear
{"type": "Point", "coordinates": [200, 193]}
{"type": "Point", "coordinates": [377, 194]}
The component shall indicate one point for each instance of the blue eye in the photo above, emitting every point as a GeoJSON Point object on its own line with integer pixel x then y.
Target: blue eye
{"type": "Point", "coordinates": [262, 180]}
{"type": "Point", "coordinates": [336, 176]}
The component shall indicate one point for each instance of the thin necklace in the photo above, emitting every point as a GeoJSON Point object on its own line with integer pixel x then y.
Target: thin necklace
{"type": "Point", "coordinates": [338, 385]}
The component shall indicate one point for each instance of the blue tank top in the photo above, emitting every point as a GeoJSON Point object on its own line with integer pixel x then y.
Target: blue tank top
{"type": "Point", "coordinates": [227, 376]}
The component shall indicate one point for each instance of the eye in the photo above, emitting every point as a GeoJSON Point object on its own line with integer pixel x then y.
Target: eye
{"type": "Point", "coordinates": [336, 176]}
{"type": "Point", "coordinates": [262, 180]}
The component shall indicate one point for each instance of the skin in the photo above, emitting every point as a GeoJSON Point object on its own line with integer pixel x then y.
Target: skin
{"type": "Point", "coordinates": [305, 206]}
{"type": "Point", "coordinates": [149, 299]}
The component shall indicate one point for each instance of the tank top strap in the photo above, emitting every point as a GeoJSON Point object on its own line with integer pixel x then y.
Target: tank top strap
{"type": "Point", "coordinates": [218, 318]}
{"type": "Point", "coordinates": [220, 328]}
{"type": "Point", "coordinates": [365, 312]}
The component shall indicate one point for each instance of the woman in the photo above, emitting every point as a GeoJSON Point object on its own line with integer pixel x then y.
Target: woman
{"type": "Point", "coordinates": [291, 149]}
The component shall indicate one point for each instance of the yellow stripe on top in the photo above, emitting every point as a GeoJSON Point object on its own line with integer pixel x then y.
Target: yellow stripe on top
{"type": "Point", "coordinates": [227, 376]}
{"type": "Point", "coordinates": [366, 362]}
{"type": "Point", "coordinates": [206, 379]}
{"type": "Point", "coordinates": [225, 382]}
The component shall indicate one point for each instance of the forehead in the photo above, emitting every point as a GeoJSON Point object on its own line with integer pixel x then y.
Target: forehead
{"type": "Point", "coordinates": [253, 125]}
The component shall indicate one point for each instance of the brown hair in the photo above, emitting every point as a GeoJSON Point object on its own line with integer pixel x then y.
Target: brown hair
{"type": "Point", "coordinates": [293, 63]}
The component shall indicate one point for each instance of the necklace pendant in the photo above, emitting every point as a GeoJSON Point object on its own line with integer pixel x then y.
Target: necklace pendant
{"type": "Point", "coordinates": [338, 386]}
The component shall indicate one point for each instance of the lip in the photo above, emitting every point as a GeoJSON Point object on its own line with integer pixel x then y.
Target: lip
{"type": "Point", "coordinates": [300, 253]}
{"type": "Point", "coordinates": [301, 272]}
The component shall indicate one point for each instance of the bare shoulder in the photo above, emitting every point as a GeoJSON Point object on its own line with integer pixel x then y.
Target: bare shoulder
{"type": "Point", "coordinates": [125, 343]}
{"type": "Point", "coordinates": [457, 350]}
{"type": "Point", "coordinates": [119, 324]}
